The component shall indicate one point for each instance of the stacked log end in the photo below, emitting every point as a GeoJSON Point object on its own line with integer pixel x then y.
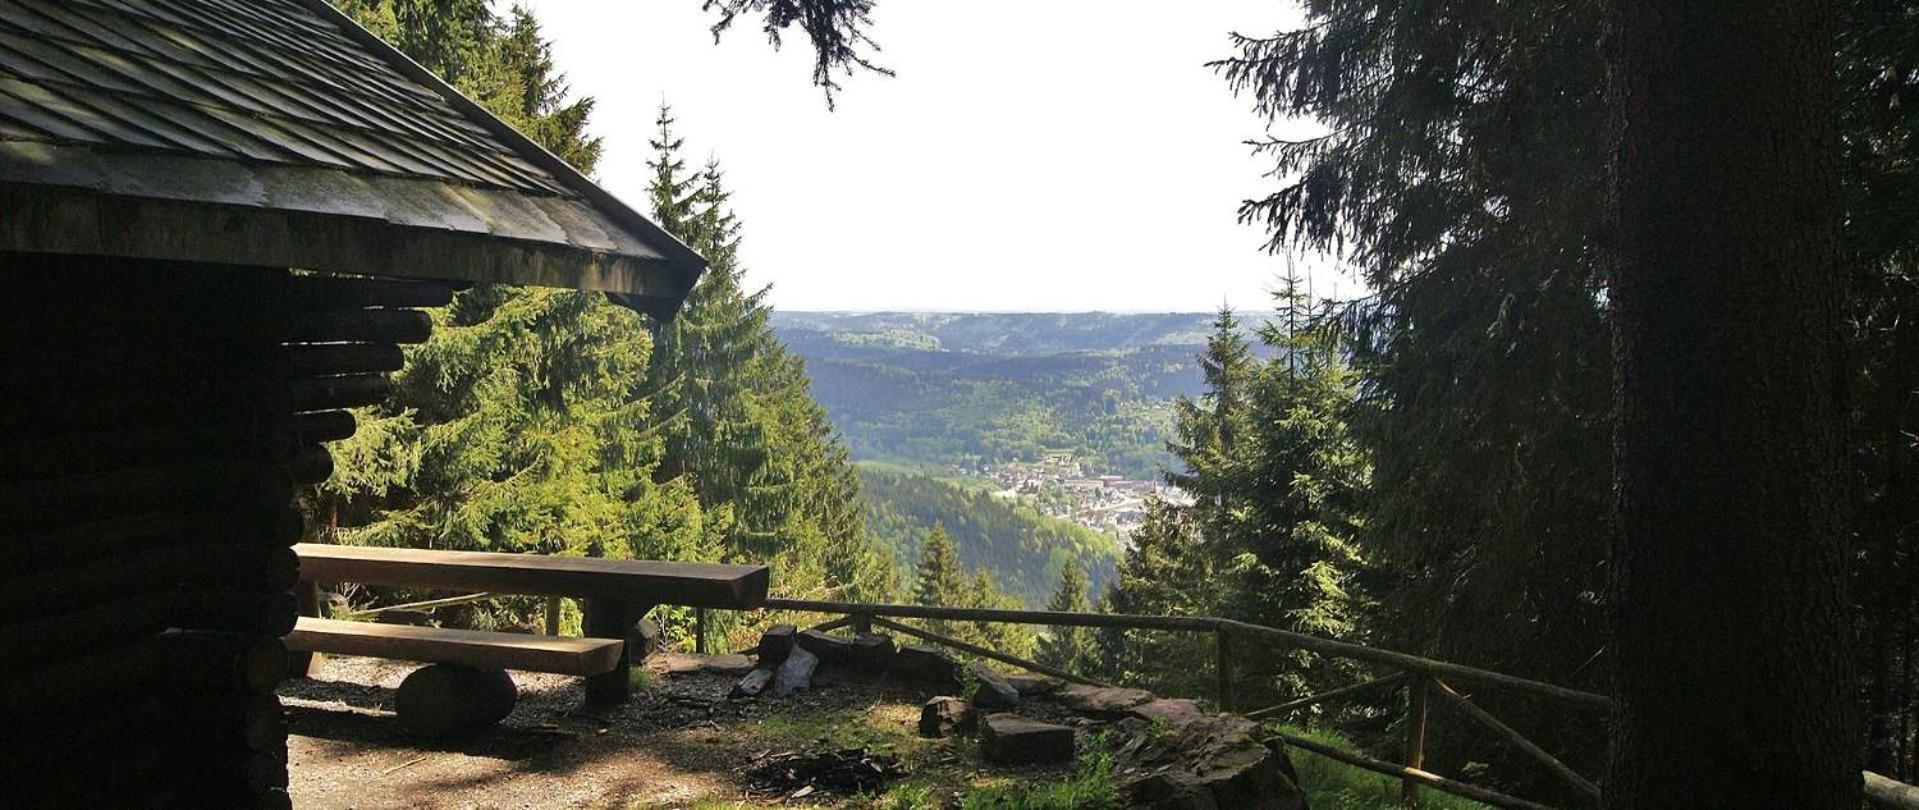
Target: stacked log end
{"type": "Point", "coordinates": [159, 420]}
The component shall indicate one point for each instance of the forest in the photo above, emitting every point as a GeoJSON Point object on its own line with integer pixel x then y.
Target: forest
{"type": "Point", "coordinates": [1429, 468]}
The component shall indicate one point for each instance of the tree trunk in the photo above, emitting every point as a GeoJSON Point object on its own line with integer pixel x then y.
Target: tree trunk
{"type": "Point", "coordinates": [1733, 676]}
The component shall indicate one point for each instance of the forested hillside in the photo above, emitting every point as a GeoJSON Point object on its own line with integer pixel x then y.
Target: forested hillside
{"type": "Point", "coordinates": [1025, 551]}
{"type": "Point", "coordinates": [961, 390]}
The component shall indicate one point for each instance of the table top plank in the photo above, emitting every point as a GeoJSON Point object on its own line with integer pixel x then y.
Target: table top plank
{"type": "Point", "coordinates": [560, 654]}
{"type": "Point", "coordinates": [715, 585]}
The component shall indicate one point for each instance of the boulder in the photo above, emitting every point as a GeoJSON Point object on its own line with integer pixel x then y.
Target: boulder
{"type": "Point", "coordinates": [795, 673]}
{"type": "Point", "coordinates": [730, 664]}
{"type": "Point", "coordinates": [832, 650]}
{"type": "Point", "coordinates": [645, 639]}
{"type": "Point", "coordinates": [1009, 739]}
{"type": "Point", "coordinates": [1034, 685]}
{"type": "Point", "coordinates": [1101, 700]}
{"type": "Point", "coordinates": [992, 690]}
{"type": "Point", "coordinates": [775, 643]}
{"type": "Point", "coordinates": [872, 652]}
{"type": "Point", "coordinates": [943, 716]}
{"type": "Point", "coordinates": [924, 663]}
{"type": "Point", "coordinates": [448, 701]}
{"type": "Point", "coordinates": [752, 684]}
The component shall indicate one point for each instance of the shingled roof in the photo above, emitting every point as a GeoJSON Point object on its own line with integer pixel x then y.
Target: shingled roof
{"type": "Point", "coordinates": [277, 132]}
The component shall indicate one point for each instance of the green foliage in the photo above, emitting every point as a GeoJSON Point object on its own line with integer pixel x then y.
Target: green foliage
{"type": "Point", "coordinates": [1089, 788]}
{"type": "Point", "coordinates": [1068, 648]}
{"type": "Point", "coordinates": [551, 421]}
{"type": "Point", "coordinates": [1024, 550]}
{"type": "Point", "coordinates": [961, 391]}
{"type": "Point", "coordinates": [1279, 487]}
{"type": "Point", "coordinates": [737, 416]}
{"type": "Point", "coordinates": [1333, 785]}
{"type": "Point", "coordinates": [939, 580]}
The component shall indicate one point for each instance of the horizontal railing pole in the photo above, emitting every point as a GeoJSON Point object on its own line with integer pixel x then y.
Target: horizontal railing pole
{"type": "Point", "coordinates": [983, 652]}
{"type": "Point", "coordinates": [1398, 660]}
{"type": "Point", "coordinates": [1485, 718]}
{"type": "Point", "coordinates": [1891, 793]}
{"type": "Point", "coordinates": [1426, 778]}
{"type": "Point", "coordinates": [1329, 694]}
{"type": "Point", "coordinates": [1336, 649]}
{"type": "Point", "coordinates": [426, 605]}
{"type": "Point", "coordinates": [1063, 619]}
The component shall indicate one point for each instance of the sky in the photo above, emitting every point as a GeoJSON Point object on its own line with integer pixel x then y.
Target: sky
{"type": "Point", "coordinates": [1039, 156]}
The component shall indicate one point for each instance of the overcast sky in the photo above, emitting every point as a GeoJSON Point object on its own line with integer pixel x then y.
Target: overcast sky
{"type": "Point", "coordinates": [1031, 155]}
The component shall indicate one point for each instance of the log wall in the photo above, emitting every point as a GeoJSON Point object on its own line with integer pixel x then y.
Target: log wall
{"type": "Point", "coordinates": [156, 421]}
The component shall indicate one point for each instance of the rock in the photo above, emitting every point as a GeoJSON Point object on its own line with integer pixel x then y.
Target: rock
{"type": "Point", "coordinates": [943, 716]}
{"type": "Point", "coordinates": [1032, 685]}
{"type": "Point", "coordinates": [333, 605]}
{"type": "Point", "coordinates": [872, 652]}
{"type": "Point", "coordinates": [752, 684]}
{"type": "Point", "coordinates": [924, 663]}
{"type": "Point", "coordinates": [1009, 739]}
{"type": "Point", "coordinates": [775, 643]}
{"type": "Point", "coordinates": [795, 673]}
{"type": "Point", "coordinates": [447, 701]}
{"type": "Point", "coordinates": [1101, 700]}
{"type": "Point", "coordinates": [1174, 711]}
{"type": "Point", "coordinates": [645, 639]}
{"type": "Point", "coordinates": [730, 664]}
{"type": "Point", "coordinates": [992, 691]}
{"type": "Point", "coordinates": [832, 650]}
{"type": "Point", "coordinates": [678, 664]}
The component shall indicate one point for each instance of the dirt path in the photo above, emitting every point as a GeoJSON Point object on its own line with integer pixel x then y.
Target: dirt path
{"type": "Point", "coordinates": [678, 743]}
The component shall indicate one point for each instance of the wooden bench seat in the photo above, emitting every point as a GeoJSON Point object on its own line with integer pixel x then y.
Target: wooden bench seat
{"type": "Point", "coordinates": [564, 655]}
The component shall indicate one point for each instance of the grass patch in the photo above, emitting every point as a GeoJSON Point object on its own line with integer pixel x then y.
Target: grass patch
{"type": "Point", "coordinates": [1335, 785]}
{"type": "Point", "coordinates": [1089, 788]}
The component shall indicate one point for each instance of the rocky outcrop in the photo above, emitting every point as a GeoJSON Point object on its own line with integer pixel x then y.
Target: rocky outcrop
{"type": "Point", "coordinates": [1197, 760]}
{"type": "Point", "coordinates": [1101, 701]}
{"type": "Point", "coordinates": [1009, 739]}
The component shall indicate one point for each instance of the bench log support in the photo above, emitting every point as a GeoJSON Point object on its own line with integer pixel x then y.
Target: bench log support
{"type": "Point", "coordinates": [300, 664]}
{"type": "Point", "coordinates": [613, 618]}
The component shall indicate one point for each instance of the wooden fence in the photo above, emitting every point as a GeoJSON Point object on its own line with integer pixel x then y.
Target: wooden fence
{"type": "Point", "coordinates": [1426, 679]}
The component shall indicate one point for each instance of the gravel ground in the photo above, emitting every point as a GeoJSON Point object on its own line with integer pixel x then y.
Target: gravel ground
{"type": "Point", "coordinates": [677, 743]}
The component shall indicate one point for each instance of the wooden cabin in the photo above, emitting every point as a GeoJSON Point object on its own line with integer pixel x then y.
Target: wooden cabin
{"type": "Point", "coordinates": [219, 219]}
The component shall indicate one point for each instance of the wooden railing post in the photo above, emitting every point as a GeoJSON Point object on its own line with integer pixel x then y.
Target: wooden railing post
{"type": "Point", "coordinates": [307, 592]}
{"type": "Point", "coordinates": [699, 630]}
{"type": "Point", "coordinates": [553, 615]}
{"type": "Point", "coordinates": [862, 623]}
{"type": "Point", "coordinates": [1415, 734]}
{"type": "Point", "coordinates": [1223, 667]}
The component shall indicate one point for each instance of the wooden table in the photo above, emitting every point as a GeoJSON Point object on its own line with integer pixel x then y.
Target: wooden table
{"type": "Point", "coordinates": [614, 593]}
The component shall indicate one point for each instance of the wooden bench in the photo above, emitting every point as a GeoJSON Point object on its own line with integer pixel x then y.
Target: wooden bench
{"type": "Point", "coordinates": [614, 595]}
{"type": "Point", "coordinates": [521, 651]}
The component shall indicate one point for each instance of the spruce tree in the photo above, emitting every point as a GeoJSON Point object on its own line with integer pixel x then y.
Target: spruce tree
{"type": "Point", "coordinates": [937, 578]}
{"type": "Point", "coordinates": [1068, 648]}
